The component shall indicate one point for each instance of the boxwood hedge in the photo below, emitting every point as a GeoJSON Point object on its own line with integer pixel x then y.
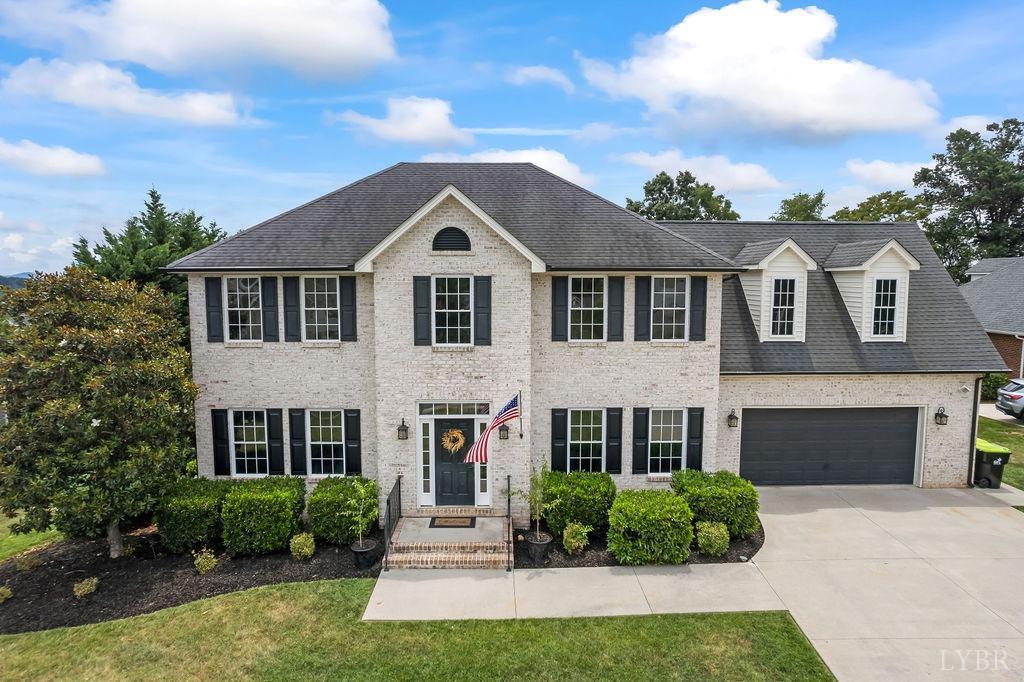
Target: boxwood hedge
{"type": "Point", "coordinates": [582, 497]}
{"type": "Point", "coordinates": [189, 516]}
{"type": "Point", "coordinates": [650, 527]}
{"type": "Point", "coordinates": [722, 497]}
{"type": "Point", "coordinates": [326, 511]}
{"type": "Point", "coordinates": [262, 515]}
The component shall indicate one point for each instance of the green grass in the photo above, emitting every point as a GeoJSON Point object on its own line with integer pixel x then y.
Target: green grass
{"type": "Point", "coordinates": [313, 631]}
{"type": "Point", "coordinates": [1011, 436]}
{"type": "Point", "coordinates": [11, 543]}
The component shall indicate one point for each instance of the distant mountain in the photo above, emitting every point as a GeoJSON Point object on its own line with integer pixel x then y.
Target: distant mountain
{"type": "Point", "coordinates": [22, 275]}
{"type": "Point", "coordinates": [14, 281]}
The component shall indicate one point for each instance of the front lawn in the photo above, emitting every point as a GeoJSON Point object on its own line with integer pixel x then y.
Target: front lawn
{"type": "Point", "coordinates": [1011, 436]}
{"type": "Point", "coordinates": [312, 631]}
{"type": "Point", "coordinates": [11, 543]}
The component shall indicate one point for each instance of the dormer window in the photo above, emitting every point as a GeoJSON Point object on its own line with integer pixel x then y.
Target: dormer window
{"type": "Point", "coordinates": [451, 239]}
{"type": "Point", "coordinates": [883, 317]}
{"type": "Point", "coordinates": [783, 306]}
{"type": "Point", "coordinates": [775, 286]}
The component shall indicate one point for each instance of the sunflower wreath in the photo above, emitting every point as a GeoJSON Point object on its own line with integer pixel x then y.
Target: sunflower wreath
{"type": "Point", "coordinates": [453, 440]}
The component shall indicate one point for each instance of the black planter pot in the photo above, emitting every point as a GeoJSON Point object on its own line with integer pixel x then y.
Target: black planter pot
{"type": "Point", "coordinates": [537, 547]}
{"type": "Point", "coordinates": [364, 555]}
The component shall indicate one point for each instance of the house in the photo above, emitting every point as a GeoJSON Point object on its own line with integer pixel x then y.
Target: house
{"type": "Point", "coordinates": [366, 330]}
{"type": "Point", "coordinates": [995, 293]}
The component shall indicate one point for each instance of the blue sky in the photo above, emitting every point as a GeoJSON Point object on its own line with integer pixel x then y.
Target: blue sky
{"type": "Point", "coordinates": [243, 108]}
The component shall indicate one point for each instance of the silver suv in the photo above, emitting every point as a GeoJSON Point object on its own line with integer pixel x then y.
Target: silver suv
{"type": "Point", "coordinates": [1010, 399]}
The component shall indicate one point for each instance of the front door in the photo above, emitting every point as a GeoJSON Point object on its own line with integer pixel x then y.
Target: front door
{"type": "Point", "coordinates": [452, 439]}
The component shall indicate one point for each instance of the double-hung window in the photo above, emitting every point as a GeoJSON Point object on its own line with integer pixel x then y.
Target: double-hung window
{"type": "Point", "coordinates": [783, 306]}
{"type": "Point", "coordinates": [326, 442]}
{"type": "Point", "coordinates": [320, 308]}
{"type": "Point", "coordinates": [586, 440]}
{"type": "Point", "coordinates": [453, 310]}
{"type": "Point", "coordinates": [883, 317]}
{"type": "Point", "coordinates": [668, 309]}
{"type": "Point", "coordinates": [667, 443]}
{"type": "Point", "coordinates": [249, 442]}
{"type": "Point", "coordinates": [587, 308]}
{"type": "Point", "coordinates": [244, 314]}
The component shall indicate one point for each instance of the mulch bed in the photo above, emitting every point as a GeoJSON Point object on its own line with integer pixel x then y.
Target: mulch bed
{"type": "Point", "coordinates": [149, 580]}
{"type": "Point", "coordinates": [596, 553]}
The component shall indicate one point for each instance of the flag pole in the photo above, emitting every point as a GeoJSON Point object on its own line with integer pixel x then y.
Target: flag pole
{"type": "Point", "coordinates": [520, 413]}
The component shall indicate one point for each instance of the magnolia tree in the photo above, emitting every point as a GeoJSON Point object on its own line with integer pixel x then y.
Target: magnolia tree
{"type": "Point", "coordinates": [99, 399]}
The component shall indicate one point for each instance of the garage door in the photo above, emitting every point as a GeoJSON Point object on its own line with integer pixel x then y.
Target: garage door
{"type": "Point", "coordinates": [820, 446]}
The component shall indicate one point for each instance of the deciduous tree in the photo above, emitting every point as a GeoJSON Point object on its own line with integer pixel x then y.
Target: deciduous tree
{"type": "Point", "coordinates": [684, 198]}
{"type": "Point", "coordinates": [802, 206]}
{"type": "Point", "coordinates": [898, 207]}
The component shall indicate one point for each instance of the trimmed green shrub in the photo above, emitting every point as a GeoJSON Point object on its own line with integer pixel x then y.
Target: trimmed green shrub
{"type": "Point", "coordinates": [992, 383]}
{"type": "Point", "coordinates": [712, 538]}
{"type": "Point", "coordinates": [204, 561]}
{"type": "Point", "coordinates": [328, 515]}
{"type": "Point", "coordinates": [189, 516]}
{"type": "Point", "coordinates": [649, 527]}
{"type": "Point", "coordinates": [302, 546]}
{"type": "Point", "coordinates": [262, 515]}
{"type": "Point", "coordinates": [5, 593]}
{"type": "Point", "coordinates": [574, 537]}
{"type": "Point", "coordinates": [27, 562]}
{"type": "Point", "coordinates": [722, 496]}
{"type": "Point", "coordinates": [580, 496]}
{"type": "Point", "coordinates": [83, 588]}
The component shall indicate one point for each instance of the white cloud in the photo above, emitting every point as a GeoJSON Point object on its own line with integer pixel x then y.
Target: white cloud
{"type": "Point", "coordinates": [752, 64]}
{"type": "Point", "coordinates": [525, 75]}
{"type": "Point", "coordinates": [725, 175]}
{"type": "Point", "coordinates": [887, 174]}
{"type": "Point", "coordinates": [548, 159]}
{"type": "Point", "coordinates": [93, 85]}
{"type": "Point", "coordinates": [324, 38]}
{"type": "Point", "coordinates": [973, 123]}
{"type": "Point", "coordinates": [39, 160]}
{"type": "Point", "coordinates": [420, 120]}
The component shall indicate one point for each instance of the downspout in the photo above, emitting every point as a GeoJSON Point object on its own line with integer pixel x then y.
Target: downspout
{"type": "Point", "coordinates": [974, 430]}
{"type": "Point", "coordinates": [1020, 369]}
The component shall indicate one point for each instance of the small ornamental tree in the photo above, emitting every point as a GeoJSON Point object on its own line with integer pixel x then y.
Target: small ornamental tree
{"type": "Point", "coordinates": [99, 399]}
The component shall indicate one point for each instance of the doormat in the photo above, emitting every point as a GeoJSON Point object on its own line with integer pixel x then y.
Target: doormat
{"type": "Point", "coordinates": [452, 522]}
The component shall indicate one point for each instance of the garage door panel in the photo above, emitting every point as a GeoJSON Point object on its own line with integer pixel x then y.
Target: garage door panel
{"type": "Point", "coordinates": [823, 446]}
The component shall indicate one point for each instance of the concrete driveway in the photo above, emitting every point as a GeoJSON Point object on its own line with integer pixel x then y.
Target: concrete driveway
{"type": "Point", "coordinates": [898, 582]}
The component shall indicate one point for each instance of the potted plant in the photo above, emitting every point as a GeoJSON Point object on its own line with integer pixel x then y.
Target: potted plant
{"type": "Point", "coordinates": [538, 543]}
{"type": "Point", "coordinates": [361, 508]}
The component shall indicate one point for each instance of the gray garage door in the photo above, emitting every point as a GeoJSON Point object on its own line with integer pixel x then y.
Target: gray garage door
{"type": "Point", "coordinates": [820, 446]}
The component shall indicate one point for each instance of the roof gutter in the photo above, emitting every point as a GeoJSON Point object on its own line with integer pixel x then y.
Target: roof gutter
{"type": "Point", "coordinates": [639, 268]}
{"type": "Point", "coordinates": [844, 372]}
{"type": "Point", "coordinates": [263, 268]}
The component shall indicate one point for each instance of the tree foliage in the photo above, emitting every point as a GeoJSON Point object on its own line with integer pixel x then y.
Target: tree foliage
{"type": "Point", "coordinates": [684, 198]}
{"type": "Point", "coordinates": [99, 399]}
{"type": "Point", "coordinates": [802, 206]}
{"type": "Point", "coordinates": [898, 207]}
{"type": "Point", "coordinates": [976, 191]}
{"type": "Point", "coordinates": [148, 242]}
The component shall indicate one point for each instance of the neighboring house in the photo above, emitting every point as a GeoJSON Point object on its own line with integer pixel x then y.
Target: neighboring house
{"type": "Point", "coordinates": [427, 295]}
{"type": "Point", "coordinates": [996, 295]}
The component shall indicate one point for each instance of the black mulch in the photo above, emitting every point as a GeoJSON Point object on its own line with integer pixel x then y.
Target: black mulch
{"type": "Point", "coordinates": [596, 553]}
{"type": "Point", "coordinates": [149, 580]}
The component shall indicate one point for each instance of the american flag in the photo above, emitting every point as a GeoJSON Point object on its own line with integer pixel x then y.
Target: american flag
{"type": "Point", "coordinates": [478, 452]}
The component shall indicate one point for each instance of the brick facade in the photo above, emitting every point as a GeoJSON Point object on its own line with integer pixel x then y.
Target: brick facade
{"type": "Point", "coordinates": [1009, 348]}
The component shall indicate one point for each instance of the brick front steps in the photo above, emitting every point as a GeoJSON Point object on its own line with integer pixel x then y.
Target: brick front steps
{"type": "Point", "coordinates": [446, 552]}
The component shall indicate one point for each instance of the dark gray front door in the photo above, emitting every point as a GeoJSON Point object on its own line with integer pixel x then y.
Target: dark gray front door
{"type": "Point", "coordinates": [823, 446]}
{"type": "Point", "coordinates": [454, 478]}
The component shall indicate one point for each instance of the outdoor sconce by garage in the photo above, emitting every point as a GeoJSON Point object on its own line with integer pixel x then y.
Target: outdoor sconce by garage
{"type": "Point", "coordinates": [403, 431]}
{"type": "Point", "coordinates": [732, 420]}
{"type": "Point", "coordinates": [503, 432]}
{"type": "Point", "coordinates": [941, 418]}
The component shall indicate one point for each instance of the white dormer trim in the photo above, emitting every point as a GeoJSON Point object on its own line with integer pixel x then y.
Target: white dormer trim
{"type": "Point", "coordinates": [857, 283]}
{"type": "Point", "coordinates": [786, 261]}
{"type": "Point", "coordinates": [365, 264]}
{"type": "Point", "coordinates": [788, 244]}
{"type": "Point", "coordinates": [891, 245]}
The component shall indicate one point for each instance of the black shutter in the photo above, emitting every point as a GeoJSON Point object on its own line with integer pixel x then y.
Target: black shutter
{"type": "Point", "coordinates": [613, 440]}
{"type": "Point", "coordinates": [616, 307]}
{"type": "Point", "coordinates": [642, 316]}
{"type": "Point", "coordinates": [698, 307]}
{"type": "Point", "coordinates": [559, 434]}
{"type": "Point", "coordinates": [292, 309]}
{"type": "Point", "coordinates": [641, 417]}
{"type": "Point", "coordinates": [482, 311]}
{"type": "Point", "coordinates": [268, 299]}
{"type": "Point", "coordinates": [353, 444]}
{"type": "Point", "coordinates": [694, 437]}
{"type": "Point", "coordinates": [559, 308]}
{"type": "Point", "coordinates": [347, 303]}
{"type": "Point", "coordinates": [221, 451]}
{"type": "Point", "coordinates": [275, 442]}
{"type": "Point", "coordinates": [297, 440]}
{"type": "Point", "coordinates": [214, 310]}
{"type": "Point", "coordinates": [421, 310]}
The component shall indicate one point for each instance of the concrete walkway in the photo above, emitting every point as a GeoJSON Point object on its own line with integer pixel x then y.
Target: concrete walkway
{"type": "Point", "coordinates": [989, 410]}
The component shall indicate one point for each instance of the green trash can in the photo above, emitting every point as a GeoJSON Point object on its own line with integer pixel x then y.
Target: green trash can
{"type": "Point", "coordinates": [989, 460]}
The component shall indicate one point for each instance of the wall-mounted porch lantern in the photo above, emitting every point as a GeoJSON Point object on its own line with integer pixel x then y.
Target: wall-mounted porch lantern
{"type": "Point", "coordinates": [941, 418]}
{"type": "Point", "coordinates": [403, 431]}
{"type": "Point", "coordinates": [503, 432]}
{"type": "Point", "coordinates": [732, 420]}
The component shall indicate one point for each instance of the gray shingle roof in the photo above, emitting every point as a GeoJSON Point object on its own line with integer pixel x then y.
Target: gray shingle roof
{"type": "Point", "coordinates": [998, 299]}
{"type": "Point", "coordinates": [754, 252]}
{"type": "Point", "coordinates": [987, 266]}
{"type": "Point", "coordinates": [565, 225]}
{"type": "Point", "coordinates": [852, 254]}
{"type": "Point", "coordinates": [942, 334]}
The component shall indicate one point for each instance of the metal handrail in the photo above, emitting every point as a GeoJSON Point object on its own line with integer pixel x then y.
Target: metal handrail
{"type": "Point", "coordinates": [392, 513]}
{"type": "Point", "coordinates": [508, 540]}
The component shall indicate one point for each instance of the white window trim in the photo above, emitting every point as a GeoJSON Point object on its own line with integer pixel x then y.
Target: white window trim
{"type": "Point", "coordinates": [227, 316]}
{"type": "Point", "coordinates": [231, 439]}
{"type": "Point", "coordinates": [797, 293]}
{"type": "Point", "coordinates": [650, 436]}
{"type": "Point", "coordinates": [433, 311]}
{"type": "Point", "coordinates": [302, 309]}
{"type": "Point", "coordinates": [309, 442]}
{"type": "Point", "coordinates": [569, 308]}
{"type": "Point", "coordinates": [569, 441]}
{"type": "Point", "coordinates": [686, 323]}
{"type": "Point", "coordinates": [896, 330]}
